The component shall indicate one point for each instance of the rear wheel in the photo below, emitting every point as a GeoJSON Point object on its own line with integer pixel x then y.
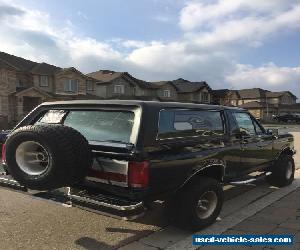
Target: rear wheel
{"type": "Point", "coordinates": [282, 172]}
{"type": "Point", "coordinates": [198, 204]}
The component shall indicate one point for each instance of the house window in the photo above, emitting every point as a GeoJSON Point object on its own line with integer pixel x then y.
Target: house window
{"type": "Point", "coordinates": [19, 83]}
{"type": "Point", "coordinates": [166, 93]}
{"type": "Point", "coordinates": [89, 85]}
{"type": "Point", "coordinates": [44, 81]}
{"type": "Point", "coordinates": [205, 97]}
{"type": "Point", "coordinates": [119, 89]}
{"type": "Point", "coordinates": [4, 76]}
{"type": "Point", "coordinates": [71, 85]}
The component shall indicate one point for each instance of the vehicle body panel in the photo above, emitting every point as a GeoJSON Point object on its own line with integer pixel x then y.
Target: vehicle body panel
{"type": "Point", "coordinates": [173, 161]}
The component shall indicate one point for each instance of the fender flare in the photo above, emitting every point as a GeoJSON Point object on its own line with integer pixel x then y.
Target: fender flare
{"type": "Point", "coordinates": [199, 171]}
{"type": "Point", "coordinates": [285, 150]}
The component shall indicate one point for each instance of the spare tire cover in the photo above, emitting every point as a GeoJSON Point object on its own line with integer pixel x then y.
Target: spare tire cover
{"type": "Point", "coordinates": [46, 157]}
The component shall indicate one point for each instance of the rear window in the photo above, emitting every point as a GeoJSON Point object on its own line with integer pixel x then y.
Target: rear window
{"type": "Point", "coordinates": [94, 125]}
{"type": "Point", "coordinates": [181, 123]}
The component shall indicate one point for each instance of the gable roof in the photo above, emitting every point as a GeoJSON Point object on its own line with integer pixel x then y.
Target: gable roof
{"type": "Point", "coordinates": [185, 86]}
{"type": "Point", "coordinates": [279, 94]}
{"type": "Point", "coordinates": [72, 69]}
{"type": "Point", "coordinates": [17, 62]}
{"type": "Point", "coordinates": [252, 93]}
{"type": "Point", "coordinates": [258, 93]}
{"type": "Point", "coordinates": [107, 76]}
{"type": "Point", "coordinates": [44, 69]}
{"type": "Point", "coordinates": [160, 84]}
{"type": "Point", "coordinates": [28, 66]}
{"type": "Point", "coordinates": [35, 89]}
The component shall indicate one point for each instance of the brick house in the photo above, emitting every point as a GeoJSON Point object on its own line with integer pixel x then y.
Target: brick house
{"type": "Point", "coordinates": [25, 84]}
{"type": "Point", "coordinates": [122, 85]}
{"type": "Point", "coordinates": [198, 92]}
{"type": "Point", "coordinates": [260, 102]}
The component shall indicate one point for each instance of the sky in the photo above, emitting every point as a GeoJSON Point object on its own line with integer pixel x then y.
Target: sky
{"type": "Point", "coordinates": [227, 43]}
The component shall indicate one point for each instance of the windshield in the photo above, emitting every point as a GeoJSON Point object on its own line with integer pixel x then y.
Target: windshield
{"type": "Point", "coordinates": [95, 125]}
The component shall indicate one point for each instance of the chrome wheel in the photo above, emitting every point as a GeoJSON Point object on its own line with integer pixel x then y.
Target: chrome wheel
{"type": "Point", "coordinates": [207, 204]}
{"type": "Point", "coordinates": [289, 170]}
{"type": "Point", "coordinates": [32, 158]}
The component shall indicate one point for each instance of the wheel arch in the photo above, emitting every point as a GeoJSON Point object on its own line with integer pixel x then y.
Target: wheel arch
{"type": "Point", "coordinates": [215, 171]}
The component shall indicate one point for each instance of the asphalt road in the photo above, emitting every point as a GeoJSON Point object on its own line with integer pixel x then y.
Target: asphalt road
{"type": "Point", "coordinates": [31, 223]}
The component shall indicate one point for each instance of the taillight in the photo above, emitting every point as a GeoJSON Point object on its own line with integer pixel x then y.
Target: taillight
{"type": "Point", "coordinates": [3, 153]}
{"type": "Point", "coordinates": [138, 174]}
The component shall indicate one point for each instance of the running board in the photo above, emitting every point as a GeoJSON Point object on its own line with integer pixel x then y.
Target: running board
{"type": "Point", "coordinates": [71, 197]}
{"type": "Point", "coordinates": [251, 180]}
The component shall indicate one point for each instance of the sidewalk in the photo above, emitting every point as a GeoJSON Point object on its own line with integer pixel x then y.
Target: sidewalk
{"type": "Point", "coordinates": [281, 217]}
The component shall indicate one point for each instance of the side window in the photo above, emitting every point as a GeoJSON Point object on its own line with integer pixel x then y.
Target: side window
{"type": "Point", "coordinates": [244, 122]}
{"type": "Point", "coordinates": [181, 123]}
{"type": "Point", "coordinates": [52, 117]}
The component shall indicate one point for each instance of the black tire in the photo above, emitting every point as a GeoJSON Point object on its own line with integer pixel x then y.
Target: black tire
{"type": "Point", "coordinates": [183, 207]}
{"type": "Point", "coordinates": [283, 171]}
{"type": "Point", "coordinates": [65, 152]}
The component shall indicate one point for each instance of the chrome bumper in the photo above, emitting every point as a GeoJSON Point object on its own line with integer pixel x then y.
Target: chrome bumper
{"type": "Point", "coordinates": [103, 204]}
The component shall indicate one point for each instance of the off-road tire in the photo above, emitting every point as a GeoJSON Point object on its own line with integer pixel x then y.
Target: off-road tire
{"type": "Point", "coordinates": [279, 178]}
{"type": "Point", "coordinates": [183, 206]}
{"type": "Point", "coordinates": [68, 150]}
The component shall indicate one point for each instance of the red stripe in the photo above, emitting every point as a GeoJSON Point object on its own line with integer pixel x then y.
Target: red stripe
{"type": "Point", "coordinates": [108, 175]}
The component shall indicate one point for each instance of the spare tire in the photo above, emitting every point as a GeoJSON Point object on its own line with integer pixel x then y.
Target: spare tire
{"type": "Point", "coordinates": [45, 157]}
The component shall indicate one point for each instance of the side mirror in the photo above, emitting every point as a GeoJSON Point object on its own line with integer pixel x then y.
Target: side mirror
{"type": "Point", "coordinates": [274, 131]}
{"type": "Point", "coordinates": [242, 133]}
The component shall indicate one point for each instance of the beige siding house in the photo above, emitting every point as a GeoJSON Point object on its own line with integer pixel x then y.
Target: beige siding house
{"type": "Point", "coordinates": [25, 84]}
{"type": "Point", "coordinates": [198, 92]}
{"type": "Point", "coordinates": [165, 91]}
{"type": "Point", "coordinates": [263, 104]}
{"type": "Point", "coordinates": [122, 85]}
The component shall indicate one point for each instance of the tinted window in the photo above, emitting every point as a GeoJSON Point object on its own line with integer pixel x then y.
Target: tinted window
{"type": "Point", "coordinates": [244, 122]}
{"type": "Point", "coordinates": [95, 125]}
{"type": "Point", "coordinates": [176, 123]}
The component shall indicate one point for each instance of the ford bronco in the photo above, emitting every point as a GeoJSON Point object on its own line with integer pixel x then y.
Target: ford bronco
{"type": "Point", "coordinates": [119, 155]}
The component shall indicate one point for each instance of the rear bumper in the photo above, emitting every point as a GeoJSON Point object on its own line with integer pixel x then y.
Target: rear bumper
{"type": "Point", "coordinates": [109, 205]}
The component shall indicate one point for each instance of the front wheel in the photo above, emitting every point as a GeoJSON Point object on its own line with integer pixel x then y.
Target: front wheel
{"type": "Point", "coordinates": [198, 204]}
{"type": "Point", "coordinates": [283, 171]}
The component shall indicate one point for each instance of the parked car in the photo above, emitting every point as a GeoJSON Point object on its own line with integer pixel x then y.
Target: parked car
{"type": "Point", "coordinates": [119, 155]}
{"type": "Point", "coordinates": [288, 118]}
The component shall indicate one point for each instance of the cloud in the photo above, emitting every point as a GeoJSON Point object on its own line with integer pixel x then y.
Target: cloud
{"type": "Point", "coordinates": [207, 49]}
{"type": "Point", "coordinates": [269, 76]}
{"type": "Point", "coordinates": [196, 14]}
{"type": "Point", "coordinates": [6, 10]}
{"type": "Point", "coordinates": [224, 25]}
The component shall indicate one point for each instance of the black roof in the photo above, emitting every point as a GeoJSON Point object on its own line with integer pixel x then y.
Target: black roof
{"type": "Point", "coordinates": [155, 104]}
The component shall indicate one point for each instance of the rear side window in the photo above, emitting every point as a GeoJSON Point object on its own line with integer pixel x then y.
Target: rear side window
{"type": "Point", "coordinates": [95, 125]}
{"type": "Point", "coordinates": [181, 123]}
{"type": "Point", "coordinates": [52, 117]}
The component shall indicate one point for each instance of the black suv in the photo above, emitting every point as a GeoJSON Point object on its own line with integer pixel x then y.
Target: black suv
{"type": "Point", "coordinates": [119, 155]}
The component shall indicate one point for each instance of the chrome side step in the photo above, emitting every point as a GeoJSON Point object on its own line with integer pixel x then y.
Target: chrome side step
{"type": "Point", "coordinates": [72, 197]}
{"type": "Point", "coordinates": [251, 180]}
